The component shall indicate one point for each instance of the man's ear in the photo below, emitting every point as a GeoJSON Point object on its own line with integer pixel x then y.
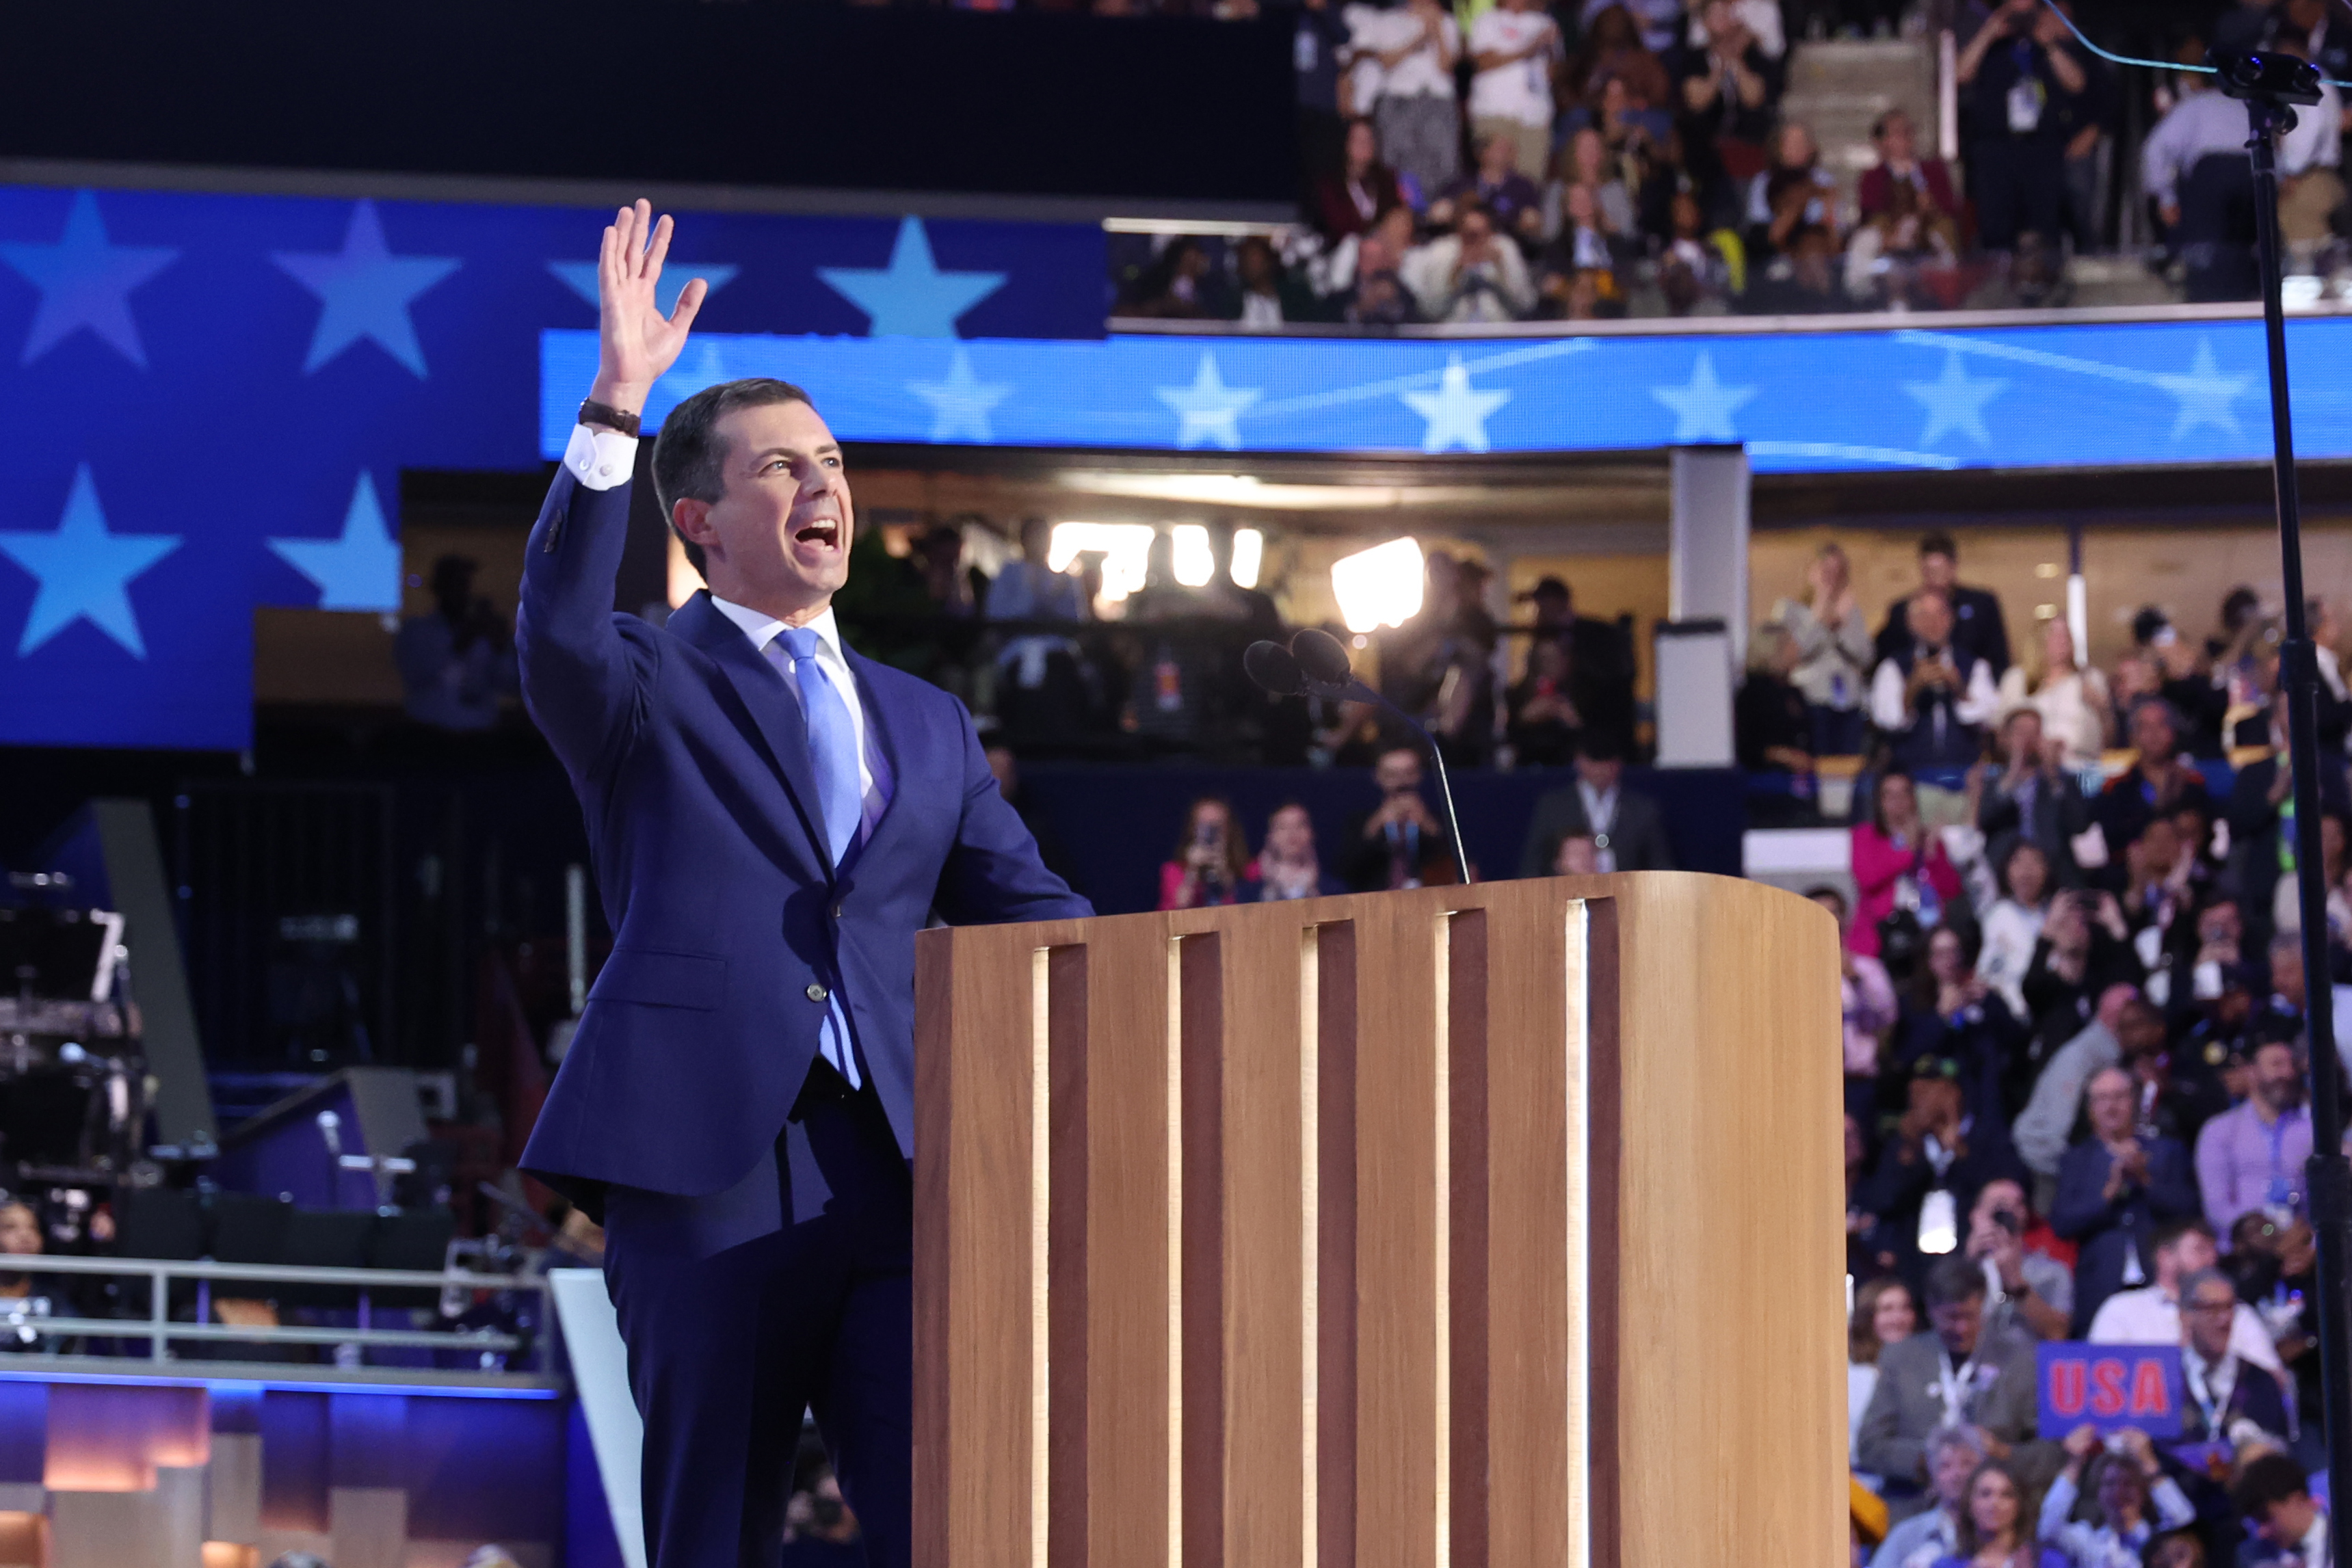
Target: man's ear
{"type": "Point", "coordinates": [692, 520]}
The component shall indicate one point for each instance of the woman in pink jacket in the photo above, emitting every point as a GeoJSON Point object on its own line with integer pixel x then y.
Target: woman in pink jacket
{"type": "Point", "coordinates": [1898, 863]}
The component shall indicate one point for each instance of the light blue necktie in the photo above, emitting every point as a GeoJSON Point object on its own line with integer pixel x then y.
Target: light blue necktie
{"type": "Point", "coordinates": [832, 754]}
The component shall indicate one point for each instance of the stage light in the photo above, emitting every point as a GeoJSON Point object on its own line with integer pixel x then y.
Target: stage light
{"type": "Point", "coordinates": [1126, 548]}
{"type": "Point", "coordinates": [1194, 562]}
{"type": "Point", "coordinates": [1379, 587]}
{"type": "Point", "coordinates": [1249, 554]}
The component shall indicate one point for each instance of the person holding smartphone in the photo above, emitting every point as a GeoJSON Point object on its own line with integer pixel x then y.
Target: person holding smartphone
{"type": "Point", "coordinates": [1211, 861]}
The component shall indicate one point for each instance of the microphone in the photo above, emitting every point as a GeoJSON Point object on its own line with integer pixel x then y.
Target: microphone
{"type": "Point", "coordinates": [1317, 664]}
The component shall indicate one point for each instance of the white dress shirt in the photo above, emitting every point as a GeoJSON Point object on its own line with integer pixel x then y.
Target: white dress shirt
{"type": "Point", "coordinates": [2147, 1317]}
{"type": "Point", "coordinates": [873, 767]}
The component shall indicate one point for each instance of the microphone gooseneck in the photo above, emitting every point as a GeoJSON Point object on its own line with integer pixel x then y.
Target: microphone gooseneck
{"type": "Point", "coordinates": [1321, 664]}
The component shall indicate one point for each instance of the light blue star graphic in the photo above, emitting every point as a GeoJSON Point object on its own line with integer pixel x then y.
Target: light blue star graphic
{"type": "Point", "coordinates": [2205, 394]}
{"type": "Point", "coordinates": [1956, 400]}
{"type": "Point", "coordinates": [359, 571]}
{"type": "Point", "coordinates": [962, 403]}
{"type": "Point", "coordinates": [911, 298]}
{"type": "Point", "coordinates": [1703, 409]}
{"type": "Point", "coordinates": [1456, 416]}
{"type": "Point", "coordinates": [1209, 410]}
{"type": "Point", "coordinates": [580, 276]}
{"type": "Point", "coordinates": [83, 571]}
{"type": "Point", "coordinates": [85, 282]}
{"type": "Point", "coordinates": [364, 290]}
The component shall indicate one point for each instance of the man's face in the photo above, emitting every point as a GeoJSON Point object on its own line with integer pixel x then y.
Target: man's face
{"type": "Point", "coordinates": [2287, 975]}
{"type": "Point", "coordinates": [779, 534]}
{"type": "Point", "coordinates": [20, 1232]}
{"type": "Point", "coordinates": [1958, 1324]}
{"type": "Point", "coordinates": [1954, 1463]}
{"type": "Point", "coordinates": [1938, 572]}
{"type": "Point", "coordinates": [2109, 1102]}
{"type": "Point", "coordinates": [1937, 1100]}
{"type": "Point", "coordinates": [1999, 1197]}
{"type": "Point", "coordinates": [1895, 140]}
{"type": "Point", "coordinates": [2286, 1523]}
{"type": "Point", "coordinates": [2189, 1251]}
{"type": "Point", "coordinates": [1929, 616]}
{"type": "Point", "coordinates": [2205, 1316]}
{"type": "Point", "coordinates": [2278, 1081]}
{"type": "Point", "coordinates": [1397, 773]}
{"type": "Point", "coordinates": [2022, 737]}
{"type": "Point", "coordinates": [1477, 230]}
{"type": "Point", "coordinates": [2140, 1030]}
{"type": "Point", "coordinates": [1600, 772]}
{"type": "Point", "coordinates": [2151, 733]}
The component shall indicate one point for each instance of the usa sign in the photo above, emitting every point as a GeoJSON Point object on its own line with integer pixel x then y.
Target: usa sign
{"type": "Point", "coordinates": [2109, 1386]}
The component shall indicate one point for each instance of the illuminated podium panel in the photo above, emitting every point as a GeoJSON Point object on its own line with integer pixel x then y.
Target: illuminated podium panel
{"type": "Point", "coordinates": [1496, 1224]}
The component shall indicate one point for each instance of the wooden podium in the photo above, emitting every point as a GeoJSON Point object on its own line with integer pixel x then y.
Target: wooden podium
{"type": "Point", "coordinates": [1474, 1225]}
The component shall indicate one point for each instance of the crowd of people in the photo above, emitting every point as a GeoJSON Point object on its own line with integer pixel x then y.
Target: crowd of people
{"type": "Point", "coordinates": [1510, 161]}
{"type": "Point", "coordinates": [2074, 1053]}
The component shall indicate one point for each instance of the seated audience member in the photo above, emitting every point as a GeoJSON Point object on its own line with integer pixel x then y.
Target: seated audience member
{"type": "Point", "coordinates": [1266, 296]}
{"type": "Point", "coordinates": [2028, 798]}
{"type": "Point", "coordinates": [2115, 1188]}
{"type": "Point", "coordinates": [2012, 926]}
{"type": "Point", "coordinates": [1627, 829]}
{"type": "Point", "coordinates": [1883, 1314]}
{"type": "Point", "coordinates": [1545, 720]}
{"type": "Point", "coordinates": [1399, 843]}
{"type": "Point", "coordinates": [1367, 272]}
{"type": "Point", "coordinates": [1582, 244]}
{"type": "Point", "coordinates": [2163, 663]}
{"type": "Point", "coordinates": [1953, 1376]}
{"type": "Point", "coordinates": [1793, 193]}
{"type": "Point", "coordinates": [2026, 1292]}
{"type": "Point", "coordinates": [1895, 258]}
{"type": "Point", "coordinates": [1979, 631]}
{"type": "Point", "coordinates": [1934, 1165]}
{"type": "Point", "coordinates": [1286, 866]}
{"type": "Point", "coordinates": [1351, 202]}
{"type": "Point", "coordinates": [2231, 1399]}
{"type": "Point", "coordinates": [2286, 905]}
{"type": "Point", "coordinates": [1212, 860]}
{"type": "Point", "coordinates": [2159, 783]}
{"type": "Point", "coordinates": [1833, 651]}
{"type": "Point", "coordinates": [1515, 47]}
{"type": "Point", "coordinates": [1577, 856]}
{"type": "Point", "coordinates": [2252, 1159]}
{"type": "Point", "coordinates": [1920, 1541]}
{"type": "Point", "coordinates": [1511, 200]}
{"type": "Point", "coordinates": [458, 661]}
{"type": "Point", "coordinates": [1600, 658]}
{"type": "Point", "coordinates": [1869, 1003]}
{"type": "Point", "coordinates": [1899, 866]}
{"type": "Point", "coordinates": [1587, 161]}
{"type": "Point", "coordinates": [25, 1298]}
{"type": "Point", "coordinates": [1949, 1013]}
{"type": "Point", "coordinates": [1993, 1532]}
{"type": "Point", "coordinates": [1900, 165]}
{"type": "Point", "coordinates": [1181, 284]}
{"type": "Point", "coordinates": [1700, 271]}
{"type": "Point", "coordinates": [2151, 1313]}
{"type": "Point", "coordinates": [1931, 697]}
{"type": "Point", "coordinates": [2127, 1482]}
{"type": "Point", "coordinates": [1470, 275]}
{"type": "Point", "coordinates": [2070, 696]}
{"type": "Point", "coordinates": [2174, 1104]}
{"type": "Point", "coordinates": [1772, 730]}
{"type": "Point", "coordinates": [2289, 1526]}
{"type": "Point", "coordinates": [2045, 1127]}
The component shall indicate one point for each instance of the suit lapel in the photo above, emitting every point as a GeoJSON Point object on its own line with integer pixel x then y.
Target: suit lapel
{"type": "Point", "coordinates": [878, 722]}
{"type": "Point", "coordinates": [774, 712]}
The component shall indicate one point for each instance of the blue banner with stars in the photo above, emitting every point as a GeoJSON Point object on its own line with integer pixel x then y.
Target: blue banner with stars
{"type": "Point", "coordinates": [2058, 396]}
{"type": "Point", "coordinates": [211, 397]}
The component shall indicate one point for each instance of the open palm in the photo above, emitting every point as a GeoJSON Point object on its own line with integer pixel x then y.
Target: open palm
{"type": "Point", "coordinates": [636, 342]}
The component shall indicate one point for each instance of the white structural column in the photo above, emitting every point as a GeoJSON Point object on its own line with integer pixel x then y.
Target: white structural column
{"type": "Point", "coordinates": [1707, 550]}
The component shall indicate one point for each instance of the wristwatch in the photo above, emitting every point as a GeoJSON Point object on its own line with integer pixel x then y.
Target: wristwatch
{"type": "Point", "coordinates": [605, 413]}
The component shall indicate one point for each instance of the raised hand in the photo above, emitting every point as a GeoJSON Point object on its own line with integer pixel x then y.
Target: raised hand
{"type": "Point", "coordinates": [636, 342]}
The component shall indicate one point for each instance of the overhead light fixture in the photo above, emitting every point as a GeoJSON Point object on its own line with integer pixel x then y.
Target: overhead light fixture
{"type": "Point", "coordinates": [1379, 587]}
{"type": "Point", "coordinates": [1126, 548]}
{"type": "Point", "coordinates": [1194, 562]}
{"type": "Point", "coordinates": [1249, 555]}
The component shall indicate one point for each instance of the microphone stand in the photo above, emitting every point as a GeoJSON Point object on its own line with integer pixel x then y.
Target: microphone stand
{"type": "Point", "coordinates": [2269, 84]}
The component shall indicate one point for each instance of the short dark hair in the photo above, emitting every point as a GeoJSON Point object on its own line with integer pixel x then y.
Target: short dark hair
{"type": "Point", "coordinates": [1940, 543]}
{"type": "Point", "coordinates": [690, 457]}
{"type": "Point", "coordinates": [2170, 1234]}
{"type": "Point", "coordinates": [1955, 1279]}
{"type": "Point", "coordinates": [2267, 1479]}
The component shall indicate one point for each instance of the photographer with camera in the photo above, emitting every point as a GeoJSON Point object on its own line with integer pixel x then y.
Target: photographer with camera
{"type": "Point", "coordinates": [1211, 861]}
{"type": "Point", "coordinates": [2026, 1292]}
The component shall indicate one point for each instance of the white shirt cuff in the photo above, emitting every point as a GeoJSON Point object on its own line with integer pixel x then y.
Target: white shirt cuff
{"type": "Point", "coordinates": [601, 459]}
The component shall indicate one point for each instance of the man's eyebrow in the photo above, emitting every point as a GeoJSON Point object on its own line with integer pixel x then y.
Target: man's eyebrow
{"type": "Point", "coordinates": [820, 450]}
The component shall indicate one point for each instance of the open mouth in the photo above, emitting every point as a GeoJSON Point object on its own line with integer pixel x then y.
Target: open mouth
{"type": "Point", "coordinates": [825, 531]}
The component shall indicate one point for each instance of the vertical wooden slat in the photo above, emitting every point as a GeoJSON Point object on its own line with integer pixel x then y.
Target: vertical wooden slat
{"type": "Point", "coordinates": [1266, 1384]}
{"type": "Point", "coordinates": [1399, 1224]}
{"type": "Point", "coordinates": [1603, 1294]}
{"type": "Point", "coordinates": [1201, 1050]}
{"type": "Point", "coordinates": [1131, 1125]}
{"type": "Point", "coordinates": [1335, 1236]}
{"type": "Point", "coordinates": [1467, 1279]}
{"type": "Point", "coordinates": [1069, 1272]}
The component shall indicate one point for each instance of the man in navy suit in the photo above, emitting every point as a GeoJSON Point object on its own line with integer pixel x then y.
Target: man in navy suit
{"type": "Point", "coordinates": [773, 818]}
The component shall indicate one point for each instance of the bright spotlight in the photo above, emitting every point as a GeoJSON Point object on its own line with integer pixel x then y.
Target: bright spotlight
{"type": "Point", "coordinates": [1379, 587]}
{"type": "Point", "coordinates": [1194, 562]}
{"type": "Point", "coordinates": [1249, 554]}
{"type": "Point", "coordinates": [1126, 547]}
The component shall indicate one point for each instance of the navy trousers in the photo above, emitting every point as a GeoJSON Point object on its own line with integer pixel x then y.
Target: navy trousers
{"type": "Point", "coordinates": [793, 1289]}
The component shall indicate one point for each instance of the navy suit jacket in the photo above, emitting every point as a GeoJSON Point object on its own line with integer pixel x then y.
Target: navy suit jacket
{"type": "Point", "coordinates": [2108, 1230]}
{"type": "Point", "coordinates": [689, 755]}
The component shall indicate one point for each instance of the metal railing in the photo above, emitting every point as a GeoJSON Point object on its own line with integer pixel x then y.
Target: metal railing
{"type": "Point", "coordinates": [160, 1331]}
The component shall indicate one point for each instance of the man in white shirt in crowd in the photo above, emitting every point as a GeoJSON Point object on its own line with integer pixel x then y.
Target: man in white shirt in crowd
{"type": "Point", "coordinates": [1516, 47]}
{"type": "Point", "coordinates": [2151, 1315]}
{"type": "Point", "coordinates": [1933, 700]}
{"type": "Point", "coordinates": [1471, 275]}
{"type": "Point", "coordinates": [2310, 189]}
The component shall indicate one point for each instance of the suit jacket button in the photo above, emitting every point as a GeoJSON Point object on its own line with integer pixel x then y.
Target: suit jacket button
{"type": "Point", "coordinates": [815, 992]}
{"type": "Point", "coordinates": [836, 912]}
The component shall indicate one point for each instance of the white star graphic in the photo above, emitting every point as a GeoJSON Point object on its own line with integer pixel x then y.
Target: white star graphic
{"type": "Point", "coordinates": [1956, 400]}
{"type": "Point", "coordinates": [911, 298]}
{"type": "Point", "coordinates": [359, 569]}
{"type": "Point", "coordinates": [85, 282]}
{"type": "Point", "coordinates": [1703, 409]}
{"type": "Point", "coordinates": [962, 403]}
{"type": "Point", "coordinates": [83, 572]}
{"type": "Point", "coordinates": [1211, 411]}
{"type": "Point", "coordinates": [363, 291]}
{"type": "Point", "coordinates": [1456, 416]}
{"type": "Point", "coordinates": [2205, 394]}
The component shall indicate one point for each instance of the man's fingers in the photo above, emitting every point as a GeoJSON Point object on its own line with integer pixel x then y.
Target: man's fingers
{"type": "Point", "coordinates": [650, 267]}
{"type": "Point", "coordinates": [690, 301]}
{"type": "Point", "coordinates": [608, 268]}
